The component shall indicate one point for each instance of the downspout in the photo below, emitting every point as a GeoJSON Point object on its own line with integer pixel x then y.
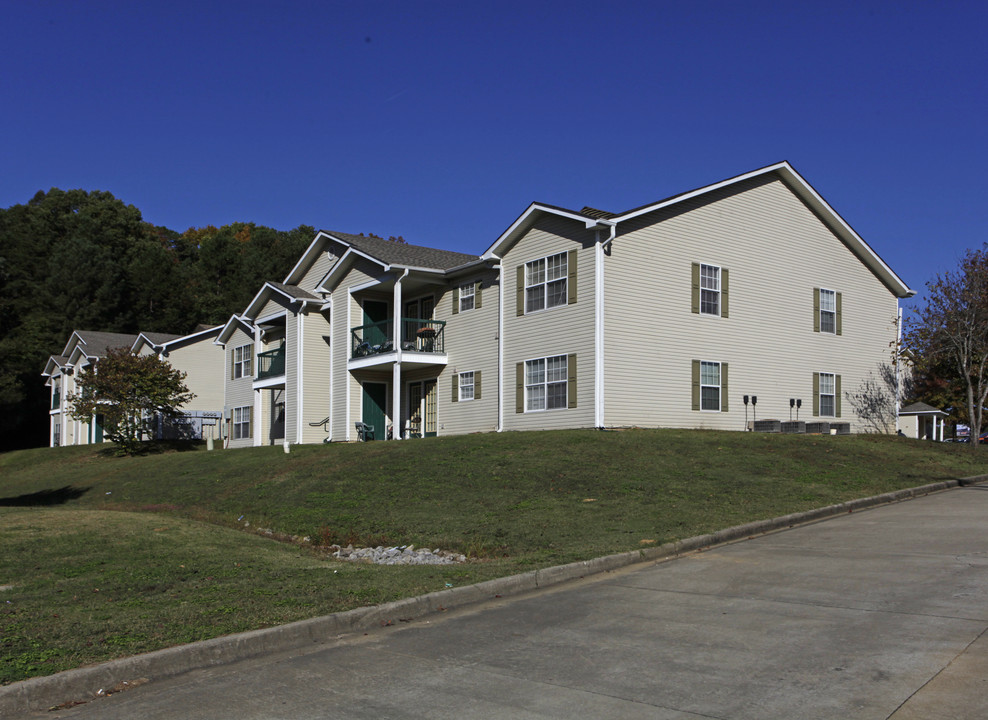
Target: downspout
{"type": "Point", "coordinates": [299, 354]}
{"type": "Point", "coordinates": [396, 371]}
{"type": "Point", "coordinates": [599, 344]}
{"type": "Point", "coordinates": [898, 363]}
{"type": "Point", "coordinates": [500, 347]}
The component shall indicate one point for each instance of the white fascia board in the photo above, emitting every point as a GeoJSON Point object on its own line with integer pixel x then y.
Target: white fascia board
{"type": "Point", "coordinates": [143, 339]}
{"type": "Point", "coordinates": [230, 326]}
{"type": "Point", "coordinates": [367, 285]}
{"type": "Point", "coordinates": [338, 267]}
{"type": "Point", "coordinates": [469, 265]}
{"type": "Point", "coordinates": [193, 336]}
{"type": "Point", "coordinates": [267, 289]}
{"type": "Point", "coordinates": [494, 251]}
{"type": "Point", "coordinates": [306, 260]}
{"type": "Point", "coordinates": [69, 346]}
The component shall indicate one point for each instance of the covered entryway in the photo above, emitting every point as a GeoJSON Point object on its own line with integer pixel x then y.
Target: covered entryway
{"type": "Point", "coordinates": [922, 421]}
{"type": "Point", "coordinates": [374, 408]}
{"type": "Point", "coordinates": [422, 413]}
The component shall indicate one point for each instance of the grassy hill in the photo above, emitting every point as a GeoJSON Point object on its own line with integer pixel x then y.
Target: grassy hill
{"type": "Point", "coordinates": [102, 557]}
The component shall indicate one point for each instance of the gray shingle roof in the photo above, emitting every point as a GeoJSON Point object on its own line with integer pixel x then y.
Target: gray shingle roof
{"type": "Point", "coordinates": [97, 343]}
{"type": "Point", "coordinates": [293, 291]}
{"type": "Point", "coordinates": [920, 407]}
{"type": "Point", "coordinates": [396, 253]}
{"type": "Point", "coordinates": [160, 338]}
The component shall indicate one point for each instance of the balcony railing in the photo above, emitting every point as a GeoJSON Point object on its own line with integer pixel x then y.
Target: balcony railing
{"type": "Point", "coordinates": [56, 400]}
{"type": "Point", "coordinates": [271, 363]}
{"type": "Point", "coordinates": [417, 335]}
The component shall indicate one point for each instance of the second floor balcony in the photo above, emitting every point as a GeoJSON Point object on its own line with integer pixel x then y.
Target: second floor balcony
{"type": "Point", "coordinates": [271, 363]}
{"type": "Point", "coordinates": [417, 336]}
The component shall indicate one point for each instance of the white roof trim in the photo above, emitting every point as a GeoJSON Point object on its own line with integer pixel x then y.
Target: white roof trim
{"type": "Point", "coordinates": [228, 328]}
{"type": "Point", "coordinates": [491, 253]}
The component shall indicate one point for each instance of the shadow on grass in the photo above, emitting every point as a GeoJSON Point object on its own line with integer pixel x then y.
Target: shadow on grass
{"type": "Point", "coordinates": [55, 496]}
{"type": "Point", "coordinates": [150, 447]}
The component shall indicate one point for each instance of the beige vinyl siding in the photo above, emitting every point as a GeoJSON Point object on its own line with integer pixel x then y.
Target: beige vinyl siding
{"type": "Point", "coordinates": [239, 392]}
{"type": "Point", "coordinates": [777, 251]}
{"type": "Point", "coordinates": [292, 350]}
{"type": "Point", "coordinates": [276, 304]}
{"type": "Point", "coordinates": [565, 330]}
{"type": "Point", "coordinates": [472, 346]}
{"type": "Point", "coordinates": [347, 314]}
{"type": "Point", "coordinates": [205, 366]}
{"type": "Point", "coordinates": [320, 266]}
{"type": "Point", "coordinates": [146, 349]}
{"type": "Point", "coordinates": [315, 375]}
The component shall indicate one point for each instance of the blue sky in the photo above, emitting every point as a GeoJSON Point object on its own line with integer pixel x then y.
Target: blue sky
{"type": "Point", "coordinates": [442, 121]}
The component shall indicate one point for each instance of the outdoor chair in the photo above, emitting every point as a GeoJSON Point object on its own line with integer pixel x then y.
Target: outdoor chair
{"type": "Point", "coordinates": [365, 432]}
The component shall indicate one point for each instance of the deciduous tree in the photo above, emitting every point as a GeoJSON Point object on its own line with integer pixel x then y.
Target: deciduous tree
{"type": "Point", "coordinates": [130, 392]}
{"type": "Point", "coordinates": [951, 332]}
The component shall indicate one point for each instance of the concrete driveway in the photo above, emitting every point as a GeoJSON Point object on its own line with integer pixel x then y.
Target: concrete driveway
{"type": "Point", "coordinates": [875, 614]}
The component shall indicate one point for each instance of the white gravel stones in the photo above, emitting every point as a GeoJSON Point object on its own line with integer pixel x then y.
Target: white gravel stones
{"type": "Point", "coordinates": [398, 555]}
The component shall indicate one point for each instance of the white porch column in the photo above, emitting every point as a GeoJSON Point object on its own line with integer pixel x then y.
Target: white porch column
{"type": "Point", "coordinates": [396, 370]}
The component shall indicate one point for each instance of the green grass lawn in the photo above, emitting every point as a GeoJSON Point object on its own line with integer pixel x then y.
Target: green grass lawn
{"type": "Point", "coordinates": [103, 557]}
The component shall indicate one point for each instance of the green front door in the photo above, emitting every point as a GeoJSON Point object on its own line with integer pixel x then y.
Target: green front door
{"type": "Point", "coordinates": [376, 314]}
{"type": "Point", "coordinates": [375, 407]}
{"type": "Point", "coordinates": [99, 428]}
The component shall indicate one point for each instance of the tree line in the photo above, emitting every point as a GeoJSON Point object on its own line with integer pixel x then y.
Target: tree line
{"type": "Point", "coordinates": [77, 259]}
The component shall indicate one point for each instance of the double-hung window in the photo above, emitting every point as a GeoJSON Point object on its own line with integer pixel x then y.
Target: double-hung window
{"type": "Point", "coordinates": [546, 383]}
{"type": "Point", "coordinates": [828, 405]}
{"type": "Point", "coordinates": [545, 282]}
{"type": "Point", "coordinates": [710, 386]}
{"type": "Point", "coordinates": [828, 311]}
{"type": "Point", "coordinates": [243, 359]}
{"type": "Point", "coordinates": [241, 422]}
{"type": "Point", "coordinates": [466, 297]}
{"type": "Point", "coordinates": [709, 290]}
{"type": "Point", "coordinates": [466, 386]}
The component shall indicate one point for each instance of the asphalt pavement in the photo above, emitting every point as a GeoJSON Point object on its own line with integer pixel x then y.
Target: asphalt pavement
{"type": "Point", "coordinates": [879, 613]}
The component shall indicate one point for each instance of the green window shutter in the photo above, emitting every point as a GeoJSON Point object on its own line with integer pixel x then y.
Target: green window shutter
{"type": "Point", "coordinates": [233, 362]}
{"type": "Point", "coordinates": [816, 311]}
{"type": "Point", "coordinates": [476, 383]}
{"type": "Point", "coordinates": [723, 292]}
{"type": "Point", "coordinates": [836, 395]}
{"type": "Point", "coordinates": [520, 291]}
{"type": "Point", "coordinates": [456, 387]}
{"type": "Point", "coordinates": [476, 295]}
{"type": "Point", "coordinates": [723, 387]}
{"type": "Point", "coordinates": [571, 384]}
{"type": "Point", "coordinates": [520, 387]}
{"type": "Point", "coordinates": [571, 279]}
{"type": "Point", "coordinates": [695, 301]}
{"type": "Point", "coordinates": [838, 316]}
{"type": "Point", "coordinates": [816, 394]}
{"type": "Point", "coordinates": [696, 384]}
{"type": "Point", "coordinates": [456, 300]}
{"type": "Point", "coordinates": [250, 421]}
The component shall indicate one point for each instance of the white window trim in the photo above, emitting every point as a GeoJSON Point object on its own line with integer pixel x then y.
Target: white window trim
{"type": "Point", "coordinates": [245, 363]}
{"type": "Point", "coordinates": [546, 383]}
{"type": "Point", "coordinates": [468, 292]}
{"type": "Point", "coordinates": [832, 395]}
{"type": "Point", "coordinates": [833, 295]}
{"type": "Point", "coordinates": [244, 425]}
{"type": "Point", "coordinates": [719, 385]}
{"type": "Point", "coordinates": [545, 283]}
{"type": "Point", "coordinates": [461, 385]}
{"type": "Point", "coordinates": [717, 291]}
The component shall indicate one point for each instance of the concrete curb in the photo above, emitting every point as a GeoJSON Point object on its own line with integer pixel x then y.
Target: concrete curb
{"type": "Point", "coordinates": [84, 684]}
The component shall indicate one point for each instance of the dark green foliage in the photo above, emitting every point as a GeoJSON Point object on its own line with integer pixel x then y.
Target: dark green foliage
{"type": "Point", "coordinates": [74, 259]}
